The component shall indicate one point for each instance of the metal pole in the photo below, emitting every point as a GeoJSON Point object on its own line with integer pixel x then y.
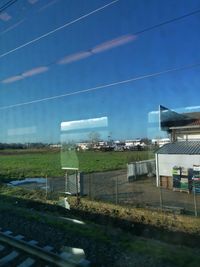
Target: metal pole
{"type": "Point", "coordinates": [77, 195]}
{"type": "Point", "coordinates": [159, 183]}
{"type": "Point", "coordinates": [161, 198]}
{"type": "Point", "coordinates": [89, 186]}
{"type": "Point", "coordinates": [195, 201]}
{"type": "Point", "coordinates": [116, 192]}
{"type": "Point", "coordinates": [135, 164]}
{"type": "Point", "coordinates": [66, 183]}
{"type": "Point", "coordinates": [90, 193]}
{"type": "Point", "coordinates": [46, 187]}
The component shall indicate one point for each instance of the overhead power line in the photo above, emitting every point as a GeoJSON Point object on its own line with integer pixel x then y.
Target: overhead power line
{"type": "Point", "coordinates": [7, 5]}
{"type": "Point", "coordinates": [58, 29]}
{"type": "Point", "coordinates": [91, 13]}
{"type": "Point", "coordinates": [135, 33]}
{"type": "Point", "coordinates": [99, 87]}
{"type": "Point", "coordinates": [168, 22]}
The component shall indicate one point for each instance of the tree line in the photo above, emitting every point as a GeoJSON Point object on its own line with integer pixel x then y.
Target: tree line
{"type": "Point", "coordinates": [22, 146]}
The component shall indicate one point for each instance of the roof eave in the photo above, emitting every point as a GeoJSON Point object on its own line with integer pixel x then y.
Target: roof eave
{"type": "Point", "coordinates": [185, 127]}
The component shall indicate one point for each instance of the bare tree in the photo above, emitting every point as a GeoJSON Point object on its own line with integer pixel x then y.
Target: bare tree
{"type": "Point", "coordinates": [94, 137]}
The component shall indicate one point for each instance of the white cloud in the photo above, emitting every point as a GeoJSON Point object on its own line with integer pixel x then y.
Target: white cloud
{"type": "Point", "coordinates": [190, 108]}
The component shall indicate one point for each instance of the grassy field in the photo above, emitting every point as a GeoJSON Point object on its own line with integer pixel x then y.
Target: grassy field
{"type": "Point", "coordinates": [17, 164]}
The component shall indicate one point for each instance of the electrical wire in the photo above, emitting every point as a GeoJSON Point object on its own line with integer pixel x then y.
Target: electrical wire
{"type": "Point", "coordinates": [110, 84]}
{"type": "Point", "coordinates": [168, 22]}
{"type": "Point", "coordinates": [12, 26]}
{"type": "Point", "coordinates": [92, 12]}
{"type": "Point", "coordinates": [57, 29]}
{"type": "Point", "coordinates": [136, 33]}
{"type": "Point", "coordinates": [7, 5]}
{"type": "Point", "coordinates": [90, 52]}
{"type": "Point", "coordinates": [102, 86]}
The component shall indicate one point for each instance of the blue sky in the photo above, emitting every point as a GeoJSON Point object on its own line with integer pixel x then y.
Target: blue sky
{"type": "Point", "coordinates": [102, 48]}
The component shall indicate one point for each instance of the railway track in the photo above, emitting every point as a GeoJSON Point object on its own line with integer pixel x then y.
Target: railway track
{"type": "Point", "coordinates": [17, 251]}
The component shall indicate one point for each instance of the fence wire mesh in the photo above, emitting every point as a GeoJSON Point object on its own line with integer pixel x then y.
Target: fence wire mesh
{"type": "Point", "coordinates": [117, 187]}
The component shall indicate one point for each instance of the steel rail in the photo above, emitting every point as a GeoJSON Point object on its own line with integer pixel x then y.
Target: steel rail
{"type": "Point", "coordinates": [37, 251]}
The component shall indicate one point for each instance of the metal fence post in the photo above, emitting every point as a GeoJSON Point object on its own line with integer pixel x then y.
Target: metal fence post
{"type": "Point", "coordinates": [135, 164]}
{"type": "Point", "coordinates": [46, 187]}
{"type": "Point", "coordinates": [67, 189]}
{"type": "Point", "coordinates": [81, 181]}
{"type": "Point", "coordinates": [77, 197]}
{"type": "Point", "coordinates": [90, 196]}
{"type": "Point", "coordinates": [116, 190]}
{"type": "Point", "coordinates": [195, 201]}
{"type": "Point", "coordinates": [161, 198]}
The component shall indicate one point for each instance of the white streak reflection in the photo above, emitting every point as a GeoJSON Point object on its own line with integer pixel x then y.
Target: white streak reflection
{"type": "Point", "coordinates": [83, 124]}
{"type": "Point", "coordinates": [74, 57]}
{"type": "Point", "coordinates": [5, 16]}
{"type": "Point", "coordinates": [22, 131]}
{"type": "Point", "coordinates": [113, 43]}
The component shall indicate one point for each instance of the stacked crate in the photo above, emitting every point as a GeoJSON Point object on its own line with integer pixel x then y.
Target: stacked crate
{"type": "Point", "coordinates": [184, 182]}
{"type": "Point", "coordinates": [196, 179]}
{"type": "Point", "coordinates": [190, 175]}
{"type": "Point", "coordinates": [176, 174]}
{"type": "Point", "coordinates": [182, 179]}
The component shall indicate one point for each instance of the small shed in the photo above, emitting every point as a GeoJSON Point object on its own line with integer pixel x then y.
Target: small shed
{"type": "Point", "coordinates": [184, 154]}
{"type": "Point", "coordinates": [141, 168]}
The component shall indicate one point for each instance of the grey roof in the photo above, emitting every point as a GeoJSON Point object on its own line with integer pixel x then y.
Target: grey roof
{"type": "Point", "coordinates": [181, 147]}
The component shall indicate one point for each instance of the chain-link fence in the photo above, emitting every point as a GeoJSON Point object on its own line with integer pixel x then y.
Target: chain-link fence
{"type": "Point", "coordinates": [116, 187]}
{"type": "Point", "coordinates": [69, 184]}
{"type": "Point", "coordinates": [122, 187]}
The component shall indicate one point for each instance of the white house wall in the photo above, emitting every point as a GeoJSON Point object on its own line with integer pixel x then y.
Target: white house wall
{"type": "Point", "coordinates": [167, 162]}
{"type": "Point", "coordinates": [192, 136]}
{"type": "Point", "coordinates": [188, 136]}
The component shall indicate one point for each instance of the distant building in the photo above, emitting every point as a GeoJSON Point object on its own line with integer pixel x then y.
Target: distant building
{"type": "Point", "coordinates": [134, 143]}
{"type": "Point", "coordinates": [183, 154]}
{"type": "Point", "coordinates": [188, 130]}
{"type": "Point", "coordinates": [83, 146]}
{"type": "Point", "coordinates": [56, 146]}
{"type": "Point", "coordinates": [183, 151]}
{"type": "Point", "coordinates": [160, 141]}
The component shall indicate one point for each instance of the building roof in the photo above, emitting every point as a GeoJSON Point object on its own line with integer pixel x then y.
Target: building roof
{"type": "Point", "coordinates": [170, 119]}
{"type": "Point", "coordinates": [193, 115]}
{"type": "Point", "coordinates": [194, 122]}
{"type": "Point", "coordinates": [181, 147]}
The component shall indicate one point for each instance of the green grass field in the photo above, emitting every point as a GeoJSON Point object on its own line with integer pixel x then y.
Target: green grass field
{"type": "Point", "coordinates": [17, 164]}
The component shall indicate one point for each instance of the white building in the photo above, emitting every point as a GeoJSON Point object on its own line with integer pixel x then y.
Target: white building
{"type": "Point", "coordinates": [82, 146]}
{"type": "Point", "coordinates": [134, 143]}
{"type": "Point", "coordinates": [184, 149]}
{"type": "Point", "coordinates": [183, 154]}
{"type": "Point", "coordinates": [160, 141]}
